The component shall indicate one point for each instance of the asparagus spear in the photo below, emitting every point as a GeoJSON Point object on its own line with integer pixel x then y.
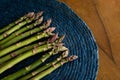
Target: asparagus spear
{"type": "Point", "coordinates": [16, 22]}
{"type": "Point", "coordinates": [27, 69]}
{"type": "Point", "coordinates": [26, 34]}
{"type": "Point", "coordinates": [26, 77]}
{"type": "Point", "coordinates": [21, 57]}
{"type": "Point", "coordinates": [29, 47]}
{"type": "Point", "coordinates": [16, 27]}
{"type": "Point", "coordinates": [54, 67]}
{"type": "Point", "coordinates": [38, 15]}
{"type": "Point", "coordinates": [21, 30]}
{"type": "Point", "coordinates": [26, 42]}
{"type": "Point", "coordinates": [15, 53]}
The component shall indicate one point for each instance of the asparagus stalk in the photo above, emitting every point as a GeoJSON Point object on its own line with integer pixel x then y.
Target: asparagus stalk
{"type": "Point", "coordinates": [29, 47]}
{"type": "Point", "coordinates": [26, 77]}
{"type": "Point", "coordinates": [27, 69]}
{"type": "Point", "coordinates": [54, 67]}
{"type": "Point", "coordinates": [24, 35]}
{"type": "Point", "coordinates": [26, 42]}
{"type": "Point", "coordinates": [16, 27]}
{"type": "Point", "coordinates": [23, 56]}
{"type": "Point", "coordinates": [15, 53]}
{"type": "Point", "coordinates": [39, 21]}
{"type": "Point", "coordinates": [16, 22]}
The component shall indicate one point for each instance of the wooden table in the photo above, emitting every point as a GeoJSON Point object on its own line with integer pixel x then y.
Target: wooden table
{"type": "Point", "coordinates": [103, 18]}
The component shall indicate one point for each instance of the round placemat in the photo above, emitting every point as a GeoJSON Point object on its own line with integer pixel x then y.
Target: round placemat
{"type": "Point", "coordinates": [79, 38]}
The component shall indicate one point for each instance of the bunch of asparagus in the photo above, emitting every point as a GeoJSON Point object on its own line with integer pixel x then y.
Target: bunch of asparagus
{"type": "Point", "coordinates": [26, 37]}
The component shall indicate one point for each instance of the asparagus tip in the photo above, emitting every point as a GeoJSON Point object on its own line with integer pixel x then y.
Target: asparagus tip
{"type": "Point", "coordinates": [30, 14]}
{"type": "Point", "coordinates": [65, 54]}
{"type": "Point", "coordinates": [59, 44]}
{"type": "Point", "coordinates": [40, 20]}
{"type": "Point", "coordinates": [38, 14]}
{"type": "Point", "coordinates": [48, 22]}
{"type": "Point", "coordinates": [73, 57]}
{"type": "Point", "coordinates": [32, 18]}
{"type": "Point", "coordinates": [53, 38]}
{"type": "Point", "coordinates": [63, 48]}
{"type": "Point", "coordinates": [61, 38]}
{"type": "Point", "coordinates": [52, 29]}
{"type": "Point", "coordinates": [49, 30]}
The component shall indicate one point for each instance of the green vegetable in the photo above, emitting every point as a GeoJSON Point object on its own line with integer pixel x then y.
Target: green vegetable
{"type": "Point", "coordinates": [26, 42]}
{"type": "Point", "coordinates": [53, 67]}
{"type": "Point", "coordinates": [16, 22]}
{"type": "Point", "coordinates": [35, 72]}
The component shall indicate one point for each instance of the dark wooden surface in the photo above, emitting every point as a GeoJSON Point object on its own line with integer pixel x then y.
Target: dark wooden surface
{"type": "Point", "coordinates": [103, 18]}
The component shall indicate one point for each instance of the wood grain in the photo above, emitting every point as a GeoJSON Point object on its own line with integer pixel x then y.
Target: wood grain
{"type": "Point", "coordinates": [103, 18]}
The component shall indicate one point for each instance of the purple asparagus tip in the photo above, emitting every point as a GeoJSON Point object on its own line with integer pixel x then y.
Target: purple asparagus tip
{"type": "Point", "coordinates": [73, 57]}
{"type": "Point", "coordinates": [60, 39]}
{"type": "Point", "coordinates": [30, 14]}
{"type": "Point", "coordinates": [40, 20]}
{"type": "Point", "coordinates": [48, 22]}
{"type": "Point", "coordinates": [49, 30]}
{"type": "Point", "coordinates": [53, 38]}
{"type": "Point", "coordinates": [38, 14]}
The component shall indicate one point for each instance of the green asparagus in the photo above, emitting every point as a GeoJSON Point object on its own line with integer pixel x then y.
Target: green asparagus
{"type": "Point", "coordinates": [21, 40]}
{"type": "Point", "coordinates": [26, 77]}
{"type": "Point", "coordinates": [24, 35]}
{"type": "Point", "coordinates": [52, 68]}
{"type": "Point", "coordinates": [21, 31]}
{"type": "Point", "coordinates": [21, 57]}
{"type": "Point", "coordinates": [26, 42]}
{"type": "Point", "coordinates": [19, 25]}
{"type": "Point", "coordinates": [16, 22]}
{"type": "Point", "coordinates": [16, 27]}
{"type": "Point", "coordinates": [29, 47]}
{"type": "Point", "coordinates": [27, 54]}
{"type": "Point", "coordinates": [27, 69]}
{"type": "Point", "coordinates": [15, 53]}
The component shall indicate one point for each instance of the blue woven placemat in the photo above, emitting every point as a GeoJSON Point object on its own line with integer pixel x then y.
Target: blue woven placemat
{"type": "Point", "coordinates": [78, 38]}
